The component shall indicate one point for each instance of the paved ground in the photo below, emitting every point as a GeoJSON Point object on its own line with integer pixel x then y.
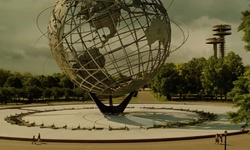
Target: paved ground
{"type": "Point", "coordinates": [238, 142]}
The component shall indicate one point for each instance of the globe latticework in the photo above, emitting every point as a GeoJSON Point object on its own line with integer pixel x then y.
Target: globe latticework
{"type": "Point", "coordinates": [110, 47]}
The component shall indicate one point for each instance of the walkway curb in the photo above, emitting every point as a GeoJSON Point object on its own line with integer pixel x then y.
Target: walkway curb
{"type": "Point", "coordinates": [123, 140]}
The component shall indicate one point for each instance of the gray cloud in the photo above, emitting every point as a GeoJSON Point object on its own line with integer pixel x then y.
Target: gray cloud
{"type": "Point", "coordinates": [19, 34]}
{"type": "Point", "coordinates": [227, 10]}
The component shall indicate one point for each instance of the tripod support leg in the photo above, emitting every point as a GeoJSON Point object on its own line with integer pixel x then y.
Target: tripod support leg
{"type": "Point", "coordinates": [111, 109]}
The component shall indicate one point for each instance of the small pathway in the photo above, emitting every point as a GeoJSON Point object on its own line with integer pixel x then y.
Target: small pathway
{"type": "Point", "coordinates": [145, 97]}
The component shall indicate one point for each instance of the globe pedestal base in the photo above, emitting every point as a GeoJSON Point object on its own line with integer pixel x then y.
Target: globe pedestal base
{"type": "Point", "coordinates": [111, 109]}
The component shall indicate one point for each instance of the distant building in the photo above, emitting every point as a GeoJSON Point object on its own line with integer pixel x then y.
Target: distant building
{"type": "Point", "coordinates": [220, 31]}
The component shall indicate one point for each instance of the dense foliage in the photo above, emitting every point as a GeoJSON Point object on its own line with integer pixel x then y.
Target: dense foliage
{"type": "Point", "coordinates": [245, 27]}
{"type": "Point", "coordinates": [241, 90]}
{"type": "Point", "coordinates": [199, 78]}
{"type": "Point", "coordinates": [241, 94]}
{"type": "Point", "coordinates": [28, 88]}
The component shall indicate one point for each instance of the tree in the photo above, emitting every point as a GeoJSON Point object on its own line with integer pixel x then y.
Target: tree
{"type": "Point", "coordinates": [167, 80]}
{"type": "Point", "coordinates": [65, 82]}
{"type": "Point", "coordinates": [218, 74]}
{"type": "Point", "coordinates": [49, 81]}
{"type": "Point", "coordinates": [6, 94]}
{"type": "Point", "coordinates": [33, 92]}
{"type": "Point", "coordinates": [241, 90]}
{"type": "Point", "coordinates": [57, 93]}
{"type": "Point", "coordinates": [235, 68]}
{"type": "Point", "coordinates": [209, 77]}
{"type": "Point", "coordinates": [32, 81]}
{"type": "Point", "coordinates": [47, 93]}
{"type": "Point", "coordinates": [81, 94]}
{"type": "Point", "coordinates": [20, 93]}
{"type": "Point", "coordinates": [4, 75]}
{"type": "Point", "coordinates": [245, 27]}
{"type": "Point", "coordinates": [13, 81]}
{"type": "Point", "coordinates": [68, 93]}
{"type": "Point", "coordinates": [241, 99]}
{"type": "Point", "coordinates": [190, 73]}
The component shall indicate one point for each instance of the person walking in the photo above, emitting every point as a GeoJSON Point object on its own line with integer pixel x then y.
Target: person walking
{"type": "Point", "coordinates": [39, 139]}
{"type": "Point", "coordinates": [221, 139]}
{"type": "Point", "coordinates": [33, 140]}
{"type": "Point", "coordinates": [217, 138]}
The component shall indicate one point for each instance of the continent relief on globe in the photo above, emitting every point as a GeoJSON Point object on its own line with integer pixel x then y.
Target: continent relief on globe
{"type": "Point", "coordinates": [102, 19]}
{"type": "Point", "coordinates": [157, 31]}
{"type": "Point", "coordinates": [89, 69]}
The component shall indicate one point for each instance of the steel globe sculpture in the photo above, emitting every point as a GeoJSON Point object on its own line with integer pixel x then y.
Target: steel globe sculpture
{"type": "Point", "coordinates": [110, 47]}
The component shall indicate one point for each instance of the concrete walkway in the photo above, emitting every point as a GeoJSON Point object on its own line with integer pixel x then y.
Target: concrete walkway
{"type": "Point", "coordinates": [238, 142]}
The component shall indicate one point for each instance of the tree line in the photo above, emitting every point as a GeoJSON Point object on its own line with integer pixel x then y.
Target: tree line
{"type": "Point", "coordinates": [199, 78]}
{"type": "Point", "coordinates": [28, 88]}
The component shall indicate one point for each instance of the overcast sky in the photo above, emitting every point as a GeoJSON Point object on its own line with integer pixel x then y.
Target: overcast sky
{"type": "Point", "coordinates": [18, 32]}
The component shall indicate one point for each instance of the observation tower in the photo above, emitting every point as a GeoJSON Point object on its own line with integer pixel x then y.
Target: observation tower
{"type": "Point", "coordinates": [220, 31]}
{"type": "Point", "coordinates": [215, 41]}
